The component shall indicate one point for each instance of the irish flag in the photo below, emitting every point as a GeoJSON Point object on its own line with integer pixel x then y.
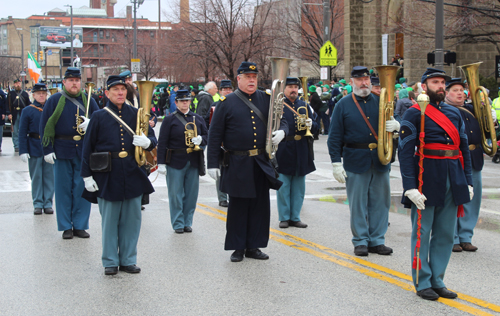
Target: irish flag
{"type": "Point", "coordinates": [34, 68]}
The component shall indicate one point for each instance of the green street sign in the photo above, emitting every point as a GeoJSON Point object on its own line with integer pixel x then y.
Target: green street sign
{"type": "Point", "coordinates": [328, 55]}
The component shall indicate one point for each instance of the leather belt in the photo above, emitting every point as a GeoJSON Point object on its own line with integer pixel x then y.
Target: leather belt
{"type": "Point", "coordinates": [441, 153]}
{"type": "Point", "coordinates": [361, 146]}
{"type": "Point", "coordinates": [292, 138]}
{"type": "Point", "coordinates": [253, 152]}
{"type": "Point", "coordinates": [69, 137]}
{"type": "Point", "coordinates": [122, 154]}
{"type": "Point", "coordinates": [34, 135]}
{"type": "Point", "coordinates": [179, 151]}
{"type": "Point", "coordinates": [473, 146]}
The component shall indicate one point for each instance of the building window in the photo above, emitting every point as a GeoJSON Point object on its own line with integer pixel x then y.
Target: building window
{"type": "Point", "coordinates": [126, 33]}
{"type": "Point", "coordinates": [152, 34]}
{"type": "Point", "coordinates": [107, 34]}
{"type": "Point", "coordinates": [101, 34]}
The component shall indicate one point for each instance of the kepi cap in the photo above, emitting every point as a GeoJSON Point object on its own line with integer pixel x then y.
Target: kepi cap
{"type": "Point", "coordinates": [433, 72]}
{"type": "Point", "coordinates": [72, 72]}
{"type": "Point", "coordinates": [126, 74]}
{"type": "Point", "coordinates": [292, 81]}
{"type": "Point", "coordinates": [247, 67]}
{"type": "Point", "coordinates": [454, 81]}
{"type": "Point", "coordinates": [225, 83]}
{"type": "Point", "coordinates": [114, 80]}
{"type": "Point", "coordinates": [39, 87]}
{"type": "Point", "coordinates": [183, 95]}
{"type": "Point", "coordinates": [359, 71]}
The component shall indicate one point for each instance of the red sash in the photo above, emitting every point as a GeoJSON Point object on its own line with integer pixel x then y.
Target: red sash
{"type": "Point", "coordinates": [444, 122]}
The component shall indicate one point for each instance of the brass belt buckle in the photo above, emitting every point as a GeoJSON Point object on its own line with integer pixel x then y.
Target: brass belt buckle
{"type": "Point", "coordinates": [77, 137]}
{"type": "Point", "coordinates": [18, 108]}
{"type": "Point", "coordinates": [122, 154]}
{"type": "Point", "coordinates": [472, 147]}
{"type": "Point", "coordinates": [297, 137]}
{"type": "Point", "coordinates": [448, 153]}
{"type": "Point", "coordinates": [253, 152]}
{"type": "Point", "coordinates": [372, 145]}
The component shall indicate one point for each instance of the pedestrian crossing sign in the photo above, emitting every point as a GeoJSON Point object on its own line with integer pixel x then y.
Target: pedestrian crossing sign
{"type": "Point", "coordinates": [328, 55]}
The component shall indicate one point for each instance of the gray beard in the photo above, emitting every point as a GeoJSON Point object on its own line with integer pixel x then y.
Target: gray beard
{"type": "Point", "coordinates": [362, 92]}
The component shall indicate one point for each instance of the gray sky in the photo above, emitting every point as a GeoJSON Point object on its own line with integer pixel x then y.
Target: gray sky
{"type": "Point", "coordinates": [25, 8]}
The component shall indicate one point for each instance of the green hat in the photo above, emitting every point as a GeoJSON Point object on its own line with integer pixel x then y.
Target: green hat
{"type": "Point", "coordinates": [409, 89]}
{"type": "Point", "coordinates": [327, 87]}
{"type": "Point", "coordinates": [312, 88]}
{"type": "Point", "coordinates": [320, 83]}
{"type": "Point", "coordinates": [336, 85]}
{"type": "Point", "coordinates": [402, 80]}
{"type": "Point", "coordinates": [342, 81]}
{"type": "Point", "coordinates": [371, 71]}
{"type": "Point", "coordinates": [398, 86]}
{"type": "Point", "coordinates": [348, 88]}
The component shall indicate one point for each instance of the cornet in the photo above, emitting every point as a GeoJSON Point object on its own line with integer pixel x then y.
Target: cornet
{"type": "Point", "coordinates": [301, 121]}
{"type": "Point", "coordinates": [189, 134]}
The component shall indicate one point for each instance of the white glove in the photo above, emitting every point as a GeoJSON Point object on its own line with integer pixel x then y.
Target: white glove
{"type": "Point", "coordinates": [85, 123]}
{"type": "Point", "coordinates": [417, 198]}
{"type": "Point", "coordinates": [141, 141]}
{"type": "Point", "coordinates": [197, 140]}
{"type": "Point", "coordinates": [278, 137]}
{"type": "Point", "coordinates": [162, 169]}
{"type": "Point", "coordinates": [339, 172]}
{"type": "Point", "coordinates": [25, 157]}
{"type": "Point", "coordinates": [214, 173]}
{"type": "Point", "coordinates": [309, 123]}
{"type": "Point", "coordinates": [392, 125]}
{"type": "Point", "coordinates": [90, 184]}
{"type": "Point", "coordinates": [471, 192]}
{"type": "Point", "coordinates": [50, 158]}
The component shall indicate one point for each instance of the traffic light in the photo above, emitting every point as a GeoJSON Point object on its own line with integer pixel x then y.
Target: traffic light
{"type": "Point", "coordinates": [431, 58]}
{"type": "Point", "coordinates": [41, 55]}
{"type": "Point", "coordinates": [450, 58]}
{"type": "Point", "coordinates": [35, 54]}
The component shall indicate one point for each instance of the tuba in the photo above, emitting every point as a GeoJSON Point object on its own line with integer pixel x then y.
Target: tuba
{"type": "Point", "coordinates": [280, 67]}
{"type": "Point", "coordinates": [189, 134]}
{"type": "Point", "coordinates": [482, 108]}
{"type": "Point", "coordinates": [303, 81]}
{"type": "Point", "coordinates": [53, 91]}
{"type": "Point", "coordinates": [142, 126]}
{"type": "Point", "coordinates": [387, 76]}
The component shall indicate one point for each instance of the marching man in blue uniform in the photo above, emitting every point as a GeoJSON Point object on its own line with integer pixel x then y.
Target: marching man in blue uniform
{"type": "Point", "coordinates": [447, 183]}
{"type": "Point", "coordinates": [62, 129]}
{"type": "Point", "coordinates": [295, 157]}
{"type": "Point", "coordinates": [30, 151]}
{"type": "Point", "coordinates": [367, 180]}
{"type": "Point", "coordinates": [118, 184]}
{"type": "Point", "coordinates": [465, 225]}
{"type": "Point", "coordinates": [247, 173]}
{"type": "Point", "coordinates": [180, 157]}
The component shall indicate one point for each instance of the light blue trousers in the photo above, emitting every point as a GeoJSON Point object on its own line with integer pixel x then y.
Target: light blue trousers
{"type": "Point", "coordinates": [436, 243]}
{"type": "Point", "coordinates": [121, 225]}
{"type": "Point", "coordinates": [42, 182]}
{"type": "Point", "coordinates": [290, 197]}
{"type": "Point", "coordinates": [15, 131]}
{"type": "Point", "coordinates": [465, 225]}
{"type": "Point", "coordinates": [182, 188]}
{"type": "Point", "coordinates": [72, 210]}
{"type": "Point", "coordinates": [369, 195]}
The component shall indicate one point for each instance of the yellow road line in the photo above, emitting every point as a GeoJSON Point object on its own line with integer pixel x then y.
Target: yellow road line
{"type": "Point", "coordinates": [405, 286]}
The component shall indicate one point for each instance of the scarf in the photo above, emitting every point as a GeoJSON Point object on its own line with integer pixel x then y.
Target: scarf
{"type": "Point", "coordinates": [448, 101]}
{"type": "Point", "coordinates": [49, 132]}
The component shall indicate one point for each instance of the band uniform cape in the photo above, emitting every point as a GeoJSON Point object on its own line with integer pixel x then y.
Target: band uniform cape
{"type": "Point", "coordinates": [14, 101]}
{"type": "Point", "coordinates": [436, 169]}
{"type": "Point", "coordinates": [239, 129]}
{"type": "Point", "coordinates": [104, 134]}
{"type": "Point", "coordinates": [293, 155]}
{"type": "Point", "coordinates": [64, 148]}
{"type": "Point", "coordinates": [348, 127]}
{"type": "Point", "coordinates": [29, 136]}
{"type": "Point", "coordinates": [172, 137]}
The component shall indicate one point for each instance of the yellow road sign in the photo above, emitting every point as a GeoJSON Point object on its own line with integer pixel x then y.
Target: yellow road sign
{"type": "Point", "coordinates": [328, 55]}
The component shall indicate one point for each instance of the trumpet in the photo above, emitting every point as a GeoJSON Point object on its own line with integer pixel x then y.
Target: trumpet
{"type": "Point", "coordinates": [189, 134]}
{"type": "Point", "coordinates": [301, 121]}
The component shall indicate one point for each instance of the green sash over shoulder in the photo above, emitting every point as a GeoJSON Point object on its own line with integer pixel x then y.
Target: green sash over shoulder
{"type": "Point", "coordinates": [49, 132]}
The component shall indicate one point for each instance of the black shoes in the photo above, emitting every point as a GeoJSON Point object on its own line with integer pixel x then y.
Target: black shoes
{"type": "Point", "coordinates": [68, 234]}
{"type": "Point", "coordinates": [457, 248]}
{"type": "Point", "coordinates": [361, 250]}
{"type": "Point", "coordinates": [237, 255]}
{"type": "Point", "coordinates": [142, 208]}
{"type": "Point", "coordinates": [428, 294]}
{"type": "Point", "coordinates": [284, 224]}
{"type": "Point", "coordinates": [445, 293]}
{"type": "Point", "coordinates": [298, 224]}
{"type": "Point", "coordinates": [130, 269]}
{"type": "Point", "coordinates": [81, 233]}
{"type": "Point", "coordinates": [381, 250]}
{"type": "Point", "coordinates": [179, 231]}
{"type": "Point", "coordinates": [110, 271]}
{"type": "Point", "coordinates": [188, 229]}
{"type": "Point", "coordinates": [48, 210]}
{"type": "Point", "coordinates": [224, 203]}
{"type": "Point", "coordinates": [467, 246]}
{"type": "Point", "coordinates": [256, 254]}
{"type": "Point", "coordinates": [38, 211]}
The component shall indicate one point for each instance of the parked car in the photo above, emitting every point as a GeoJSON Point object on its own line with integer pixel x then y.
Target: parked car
{"type": "Point", "coordinates": [54, 38]}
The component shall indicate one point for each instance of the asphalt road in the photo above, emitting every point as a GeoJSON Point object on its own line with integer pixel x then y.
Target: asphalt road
{"type": "Point", "coordinates": [311, 271]}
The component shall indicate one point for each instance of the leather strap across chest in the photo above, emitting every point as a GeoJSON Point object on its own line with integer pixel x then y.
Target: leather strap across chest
{"type": "Point", "coordinates": [364, 117]}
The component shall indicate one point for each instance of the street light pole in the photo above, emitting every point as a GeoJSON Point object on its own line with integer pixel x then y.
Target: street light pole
{"type": "Point", "coordinates": [71, 8]}
{"type": "Point", "coordinates": [326, 27]}
{"type": "Point", "coordinates": [135, 29]}
{"type": "Point", "coordinates": [439, 62]}
{"type": "Point", "coordinates": [22, 59]}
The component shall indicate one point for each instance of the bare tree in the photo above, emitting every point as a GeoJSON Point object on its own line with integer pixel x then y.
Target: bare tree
{"type": "Point", "coordinates": [10, 70]}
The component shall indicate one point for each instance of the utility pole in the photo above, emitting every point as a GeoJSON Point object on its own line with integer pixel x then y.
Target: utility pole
{"type": "Point", "coordinates": [326, 27]}
{"type": "Point", "coordinates": [22, 59]}
{"type": "Point", "coordinates": [71, 8]}
{"type": "Point", "coordinates": [135, 29]}
{"type": "Point", "coordinates": [439, 51]}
